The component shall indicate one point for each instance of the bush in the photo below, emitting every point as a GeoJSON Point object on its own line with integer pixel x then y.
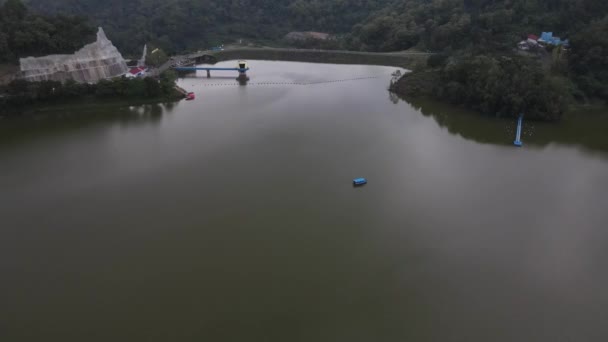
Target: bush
{"type": "Point", "coordinates": [504, 87]}
{"type": "Point", "coordinates": [437, 60]}
{"type": "Point", "coordinates": [21, 93]}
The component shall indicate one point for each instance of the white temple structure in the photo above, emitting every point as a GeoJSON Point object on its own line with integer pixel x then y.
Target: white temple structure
{"type": "Point", "coordinates": [94, 62]}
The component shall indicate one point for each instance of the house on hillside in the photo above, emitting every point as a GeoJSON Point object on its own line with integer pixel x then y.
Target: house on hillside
{"type": "Point", "coordinates": [528, 44]}
{"type": "Point", "coordinates": [136, 72]}
{"type": "Point", "coordinates": [547, 38]}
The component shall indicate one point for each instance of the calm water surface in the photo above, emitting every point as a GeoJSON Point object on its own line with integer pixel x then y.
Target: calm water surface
{"type": "Point", "coordinates": [233, 218]}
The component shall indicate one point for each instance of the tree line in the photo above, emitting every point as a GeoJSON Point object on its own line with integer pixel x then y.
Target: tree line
{"type": "Point", "coordinates": [478, 65]}
{"type": "Point", "coordinates": [20, 93]}
{"type": "Point", "coordinates": [181, 25]}
{"type": "Point", "coordinates": [472, 33]}
{"type": "Point", "coordinates": [23, 33]}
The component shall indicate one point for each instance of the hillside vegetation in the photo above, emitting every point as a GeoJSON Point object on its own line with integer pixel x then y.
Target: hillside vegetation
{"type": "Point", "coordinates": [23, 33]}
{"type": "Point", "coordinates": [177, 25]}
{"type": "Point", "coordinates": [476, 65]}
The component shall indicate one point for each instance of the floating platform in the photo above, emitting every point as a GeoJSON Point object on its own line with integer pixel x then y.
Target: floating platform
{"type": "Point", "coordinates": [359, 181]}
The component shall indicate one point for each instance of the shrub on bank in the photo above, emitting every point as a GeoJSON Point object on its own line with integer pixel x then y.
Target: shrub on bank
{"type": "Point", "coordinates": [498, 86]}
{"type": "Point", "coordinates": [20, 93]}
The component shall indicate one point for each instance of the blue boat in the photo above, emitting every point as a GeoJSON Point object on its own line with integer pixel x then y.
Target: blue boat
{"type": "Point", "coordinates": [359, 181]}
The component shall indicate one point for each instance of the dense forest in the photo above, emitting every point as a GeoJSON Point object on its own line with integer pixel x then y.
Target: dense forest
{"type": "Point", "coordinates": [177, 25]}
{"type": "Point", "coordinates": [23, 94]}
{"type": "Point", "coordinates": [475, 25]}
{"type": "Point", "coordinates": [476, 62]}
{"type": "Point", "coordinates": [385, 25]}
{"type": "Point", "coordinates": [25, 34]}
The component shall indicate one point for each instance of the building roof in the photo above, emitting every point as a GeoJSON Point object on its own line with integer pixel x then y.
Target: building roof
{"type": "Point", "coordinates": [533, 37]}
{"type": "Point", "coordinates": [307, 35]}
{"type": "Point", "coordinates": [137, 70]}
{"type": "Point", "coordinates": [318, 35]}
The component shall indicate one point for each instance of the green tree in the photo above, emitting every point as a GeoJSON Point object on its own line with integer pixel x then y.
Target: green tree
{"type": "Point", "coordinates": [589, 59]}
{"type": "Point", "coordinates": [23, 34]}
{"type": "Point", "coordinates": [505, 86]}
{"type": "Point", "coordinates": [105, 88]}
{"type": "Point", "coordinates": [156, 57]}
{"type": "Point", "coordinates": [152, 88]}
{"type": "Point", "coordinates": [14, 10]}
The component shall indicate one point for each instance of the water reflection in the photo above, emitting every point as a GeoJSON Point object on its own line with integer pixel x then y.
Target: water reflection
{"type": "Point", "coordinates": [394, 98]}
{"type": "Point", "coordinates": [169, 106]}
{"type": "Point", "coordinates": [69, 119]}
{"type": "Point", "coordinates": [586, 130]}
{"type": "Point", "coordinates": [243, 80]}
{"type": "Point", "coordinates": [148, 114]}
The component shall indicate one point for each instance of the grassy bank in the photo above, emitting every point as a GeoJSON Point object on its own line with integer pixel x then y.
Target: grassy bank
{"type": "Point", "coordinates": [24, 97]}
{"type": "Point", "coordinates": [402, 60]}
{"type": "Point", "coordinates": [82, 104]}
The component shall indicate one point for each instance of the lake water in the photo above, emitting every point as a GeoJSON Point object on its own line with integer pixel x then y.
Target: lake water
{"type": "Point", "coordinates": [233, 218]}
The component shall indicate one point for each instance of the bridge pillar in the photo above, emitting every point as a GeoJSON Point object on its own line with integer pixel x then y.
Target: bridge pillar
{"type": "Point", "coordinates": [208, 73]}
{"type": "Point", "coordinates": [242, 68]}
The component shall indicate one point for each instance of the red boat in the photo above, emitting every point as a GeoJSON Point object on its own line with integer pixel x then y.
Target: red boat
{"type": "Point", "coordinates": [190, 96]}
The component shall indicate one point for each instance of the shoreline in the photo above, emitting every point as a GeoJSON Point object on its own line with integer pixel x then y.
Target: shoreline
{"type": "Point", "coordinates": [80, 104]}
{"type": "Point", "coordinates": [410, 86]}
{"type": "Point", "coordinates": [420, 85]}
{"type": "Point", "coordinates": [404, 60]}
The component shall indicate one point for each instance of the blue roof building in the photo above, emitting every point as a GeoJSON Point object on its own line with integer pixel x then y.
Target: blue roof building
{"type": "Point", "coordinates": [547, 37]}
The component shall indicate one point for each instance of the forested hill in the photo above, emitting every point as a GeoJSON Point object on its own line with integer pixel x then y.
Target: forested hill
{"type": "Point", "coordinates": [480, 67]}
{"type": "Point", "coordinates": [176, 25]}
{"type": "Point", "coordinates": [368, 24]}
{"type": "Point", "coordinates": [477, 62]}
{"type": "Point", "coordinates": [477, 25]}
{"type": "Point", "coordinates": [23, 33]}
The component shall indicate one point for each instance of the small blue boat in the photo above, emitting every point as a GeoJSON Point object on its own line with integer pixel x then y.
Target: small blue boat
{"type": "Point", "coordinates": [359, 181]}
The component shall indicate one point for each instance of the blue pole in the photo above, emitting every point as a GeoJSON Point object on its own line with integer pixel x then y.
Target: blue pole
{"type": "Point", "coordinates": [517, 141]}
{"type": "Point", "coordinates": [205, 68]}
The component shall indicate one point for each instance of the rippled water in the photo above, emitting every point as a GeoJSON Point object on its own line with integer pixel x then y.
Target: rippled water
{"type": "Point", "coordinates": [233, 218]}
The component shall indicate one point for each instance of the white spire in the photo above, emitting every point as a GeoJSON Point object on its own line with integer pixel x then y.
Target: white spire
{"type": "Point", "coordinates": [142, 61]}
{"type": "Point", "coordinates": [101, 36]}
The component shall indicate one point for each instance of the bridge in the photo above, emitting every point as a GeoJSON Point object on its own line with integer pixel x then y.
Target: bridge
{"type": "Point", "coordinates": [241, 68]}
{"type": "Point", "coordinates": [209, 68]}
{"type": "Point", "coordinates": [241, 71]}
